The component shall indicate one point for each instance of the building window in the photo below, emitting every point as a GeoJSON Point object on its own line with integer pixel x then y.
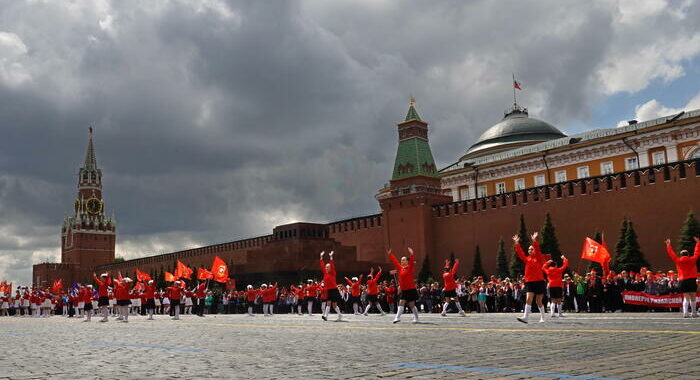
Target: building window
{"type": "Point", "coordinates": [659, 158]}
{"type": "Point", "coordinates": [482, 192]}
{"type": "Point", "coordinates": [464, 193]}
{"type": "Point", "coordinates": [583, 172]}
{"type": "Point", "coordinates": [500, 188]}
{"type": "Point", "coordinates": [606, 168]}
{"type": "Point", "coordinates": [539, 180]}
{"type": "Point", "coordinates": [561, 176]}
{"type": "Point", "coordinates": [519, 183]}
{"type": "Point", "coordinates": [631, 163]}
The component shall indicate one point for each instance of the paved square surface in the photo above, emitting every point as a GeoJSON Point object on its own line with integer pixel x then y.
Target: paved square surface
{"type": "Point", "coordinates": [478, 346]}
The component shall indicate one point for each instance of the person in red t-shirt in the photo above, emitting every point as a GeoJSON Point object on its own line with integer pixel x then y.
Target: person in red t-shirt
{"type": "Point", "coordinates": [450, 287]}
{"type": "Point", "coordinates": [86, 294]}
{"type": "Point", "coordinates": [407, 284]}
{"type": "Point", "coordinates": [330, 286]}
{"type": "Point", "coordinates": [103, 284]}
{"type": "Point", "coordinates": [123, 296]}
{"type": "Point", "coordinates": [687, 276]}
{"type": "Point", "coordinates": [310, 294]}
{"type": "Point", "coordinates": [373, 291]}
{"type": "Point", "coordinates": [390, 292]}
{"type": "Point", "coordinates": [175, 293]}
{"type": "Point", "coordinates": [251, 295]}
{"type": "Point", "coordinates": [298, 298]}
{"type": "Point", "coordinates": [555, 283]}
{"type": "Point", "coordinates": [269, 295]}
{"type": "Point", "coordinates": [150, 293]}
{"type": "Point", "coordinates": [354, 299]}
{"type": "Point", "coordinates": [534, 277]}
{"type": "Point", "coordinates": [200, 293]}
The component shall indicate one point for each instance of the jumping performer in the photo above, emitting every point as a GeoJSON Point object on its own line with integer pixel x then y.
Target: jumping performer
{"type": "Point", "coordinates": [298, 298]}
{"type": "Point", "coordinates": [687, 276]}
{"type": "Point", "coordinates": [450, 287]}
{"type": "Point", "coordinates": [407, 284]}
{"type": "Point", "coordinates": [355, 284]}
{"type": "Point", "coordinates": [87, 300]}
{"type": "Point", "coordinates": [251, 294]}
{"type": "Point", "coordinates": [150, 298]}
{"type": "Point", "coordinates": [330, 286]}
{"type": "Point", "coordinates": [372, 291]}
{"type": "Point", "coordinates": [175, 294]}
{"type": "Point", "coordinates": [534, 278]}
{"type": "Point", "coordinates": [310, 293]}
{"type": "Point", "coordinates": [269, 294]}
{"type": "Point", "coordinates": [123, 288]}
{"type": "Point", "coordinates": [555, 283]}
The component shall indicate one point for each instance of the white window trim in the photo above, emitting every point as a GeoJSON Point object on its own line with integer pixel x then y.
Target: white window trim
{"type": "Point", "coordinates": [556, 175]}
{"type": "Point", "coordinates": [504, 188]}
{"type": "Point", "coordinates": [602, 167]}
{"type": "Point", "coordinates": [578, 171]}
{"type": "Point", "coordinates": [656, 154]}
{"type": "Point", "coordinates": [627, 163]}
{"type": "Point", "coordinates": [515, 184]}
{"type": "Point", "coordinates": [478, 191]}
{"type": "Point", "coordinates": [544, 180]}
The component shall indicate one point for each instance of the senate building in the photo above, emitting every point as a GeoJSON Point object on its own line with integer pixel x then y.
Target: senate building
{"type": "Point", "coordinates": [648, 171]}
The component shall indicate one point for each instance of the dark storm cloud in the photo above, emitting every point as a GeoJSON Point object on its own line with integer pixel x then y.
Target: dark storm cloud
{"type": "Point", "coordinates": [219, 120]}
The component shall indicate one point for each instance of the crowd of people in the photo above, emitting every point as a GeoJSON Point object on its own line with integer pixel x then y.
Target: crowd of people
{"type": "Point", "coordinates": [544, 286]}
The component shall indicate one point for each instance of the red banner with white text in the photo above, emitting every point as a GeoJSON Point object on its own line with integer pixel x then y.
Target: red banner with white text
{"type": "Point", "coordinates": [644, 299]}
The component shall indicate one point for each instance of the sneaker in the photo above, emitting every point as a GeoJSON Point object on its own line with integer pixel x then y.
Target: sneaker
{"type": "Point", "coordinates": [383, 314]}
{"type": "Point", "coordinates": [365, 314]}
{"type": "Point", "coordinates": [104, 320]}
{"type": "Point", "coordinates": [396, 320]}
{"type": "Point", "coordinates": [415, 321]}
{"type": "Point", "coordinates": [324, 317]}
{"type": "Point", "coordinates": [553, 316]}
{"type": "Point", "coordinates": [340, 317]}
{"type": "Point", "coordinates": [686, 315]}
{"type": "Point", "coordinates": [125, 321]}
{"type": "Point", "coordinates": [462, 314]}
{"type": "Point", "coordinates": [443, 314]}
{"type": "Point", "coordinates": [520, 319]}
{"type": "Point", "coordinates": [560, 315]}
{"type": "Point", "coordinates": [541, 320]}
{"type": "Point", "coordinates": [86, 320]}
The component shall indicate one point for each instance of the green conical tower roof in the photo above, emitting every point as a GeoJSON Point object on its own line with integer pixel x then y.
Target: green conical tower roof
{"type": "Point", "coordinates": [413, 157]}
{"type": "Point", "coordinates": [412, 113]}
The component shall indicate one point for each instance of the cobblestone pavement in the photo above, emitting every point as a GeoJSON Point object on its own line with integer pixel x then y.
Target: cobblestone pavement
{"type": "Point", "coordinates": [479, 346]}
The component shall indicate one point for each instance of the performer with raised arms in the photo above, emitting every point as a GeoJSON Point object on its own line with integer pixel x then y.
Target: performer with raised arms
{"type": "Point", "coordinates": [534, 278]}
{"type": "Point", "coordinates": [373, 291]}
{"type": "Point", "coordinates": [450, 287]}
{"type": "Point", "coordinates": [407, 284]}
{"type": "Point", "coordinates": [555, 283]}
{"type": "Point", "coordinates": [330, 286]}
{"type": "Point", "coordinates": [687, 276]}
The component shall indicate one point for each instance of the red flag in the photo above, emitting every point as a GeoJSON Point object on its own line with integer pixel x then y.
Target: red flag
{"type": "Point", "coordinates": [3, 287]}
{"type": "Point", "coordinates": [516, 84]}
{"type": "Point", "coordinates": [139, 286]}
{"type": "Point", "coordinates": [220, 270]}
{"type": "Point", "coordinates": [594, 251]}
{"type": "Point", "coordinates": [57, 285]}
{"type": "Point", "coordinates": [169, 277]}
{"type": "Point", "coordinates": [203, 274]}
{"type": "Point", "coordinates": [182, 271]}
{"type": "Point", "coordinates": [9, 288]}
{"type": "Point", "coordinates": [141, 276]}
{"type": "Point", "coordinates": [231, 284]}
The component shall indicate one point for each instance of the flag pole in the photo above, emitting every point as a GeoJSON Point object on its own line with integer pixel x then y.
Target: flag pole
{"type": "Point", "coordinates": [514, 100]}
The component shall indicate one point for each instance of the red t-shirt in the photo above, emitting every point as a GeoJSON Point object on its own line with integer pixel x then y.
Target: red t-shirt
{"type": "Point", "coordinates": [406, 278]}
{"type": "Point", "coordinates": [449, 278]}
{"type": "Point", "coordinates": [533, 263]}
{"type": "Point", "coordinates": [328, 278]}
{"type": "Point", "coordinates": [372, 288]}
{"type": "Point", "coordinates": [686, 265]}
{"type": "Point", "coordinates": [554, 274]}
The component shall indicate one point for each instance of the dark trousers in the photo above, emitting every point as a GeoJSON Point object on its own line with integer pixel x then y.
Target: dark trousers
{"type": "Point", "coordinates": [200, 306]}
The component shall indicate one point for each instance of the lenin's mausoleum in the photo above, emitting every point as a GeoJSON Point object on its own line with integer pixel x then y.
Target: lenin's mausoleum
{"type": "Point", "coordinates": [647, 171]}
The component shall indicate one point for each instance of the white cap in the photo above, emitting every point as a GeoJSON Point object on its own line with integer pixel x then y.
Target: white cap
{"type": "Point", "coordinates": [89, 286]}
{"type": "Point", "coordinates": [177, 281]}
{"type": "Point", "coordinates": [127, 279]}
{"type": "Point", "coordinates": [250, 286]}
{"type": "Point", "coordinates": [354, 278]}
{"type": "Point", "coordinates": [104, 274]}
{"type": "Point", "coordinates": [150, 282]}
{"type": "Point", "coordinates": [263, 286]}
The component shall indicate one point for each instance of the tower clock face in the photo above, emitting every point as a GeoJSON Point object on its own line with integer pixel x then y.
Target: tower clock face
{"type": "Point", "coordinates": [94, 206]}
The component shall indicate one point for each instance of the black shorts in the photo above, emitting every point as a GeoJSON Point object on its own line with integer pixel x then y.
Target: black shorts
{"type": "Point", "coordinates": [334, 295]}
{"type": "Point", "coordinates": [309, 299]}
{"type": "Point", "coordinates": [536, 287]}
{"type": "Point", "coordinates": [150, 303]}
{"type": "Point", "coordinates": [555, 292]}
{"type": "Point", "coordinates": [409, 295]}
{"type": "Point", "coordinates": [88, 306]}
{"type": "Point", "coordinates": [175, 303]}
{"type": "Point", "coordinates": [450, 293]}
{"type": "Point", "coordinates": [353, 299]}
{"type": "Point", "coordinates": [372, 298]}
{"type": "Point", "coordinates": [689, 285]}
{"type": "Point", "coordinates": [123, 302]}
{"type": "Point", "coordinates": [103, 301]}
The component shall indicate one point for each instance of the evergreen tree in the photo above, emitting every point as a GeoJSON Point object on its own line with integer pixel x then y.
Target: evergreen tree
{"type": "Point", "coordinates": [161, 278]}
{"type": "Point", "coordinates": [477, 268]}
{"type": "Point", "coordinates": [517, 267]}
{"type": "Point", "coordinates": [501, 260]}
{"type": "Point", "coordinates": [632, 258]}
{"type": "Point", "coordinates": [425, 273]}
{"type": "Point", "coordinates": [620, 247]}
{"type": "Point", "coordinates": [690, 230]}
{"type": "Point", "coordinates": [452, 259]}
{"type": "Point", "coordinates": [598, 236]}
{"type": "Point", "coordinates": [549, 242]}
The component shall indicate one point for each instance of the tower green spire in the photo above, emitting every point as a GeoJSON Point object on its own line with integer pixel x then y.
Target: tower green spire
{"type": "Point", "coordinates": [413, 157]}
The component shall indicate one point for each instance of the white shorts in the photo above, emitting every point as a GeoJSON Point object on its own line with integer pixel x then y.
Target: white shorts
{"type": "Point", "coordinates": [112, 302]}
{"type": "Point", "coordinates": [5, 305]}
{"type": "Point", "coordinates": [47, 303]}
{"type": "Point", "coordinates": [136, 302]}
{"type": "Point", "coordinates": [94, 304]}
{"type": "Point", "coordinates": [17, 303]}
{"type": "Point", "coordinates": [25, 303]}
{"type": "Point", "coordinates": [157, 301]}
{"type": "Point", "coordinates": [81, 305]}
{"type": "Point", "coordinates": [188, 301]}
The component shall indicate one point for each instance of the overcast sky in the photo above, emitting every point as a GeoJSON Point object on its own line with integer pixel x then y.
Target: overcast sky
{"type": "Point", "coordinates": [218, 120]}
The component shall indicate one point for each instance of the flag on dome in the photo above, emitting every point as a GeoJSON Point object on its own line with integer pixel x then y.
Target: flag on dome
{"type": "Point", "coordinates": [516, 84]}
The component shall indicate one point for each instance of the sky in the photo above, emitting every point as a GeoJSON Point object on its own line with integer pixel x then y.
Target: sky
{"type": "Point", "coordinates": [217, 120]}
